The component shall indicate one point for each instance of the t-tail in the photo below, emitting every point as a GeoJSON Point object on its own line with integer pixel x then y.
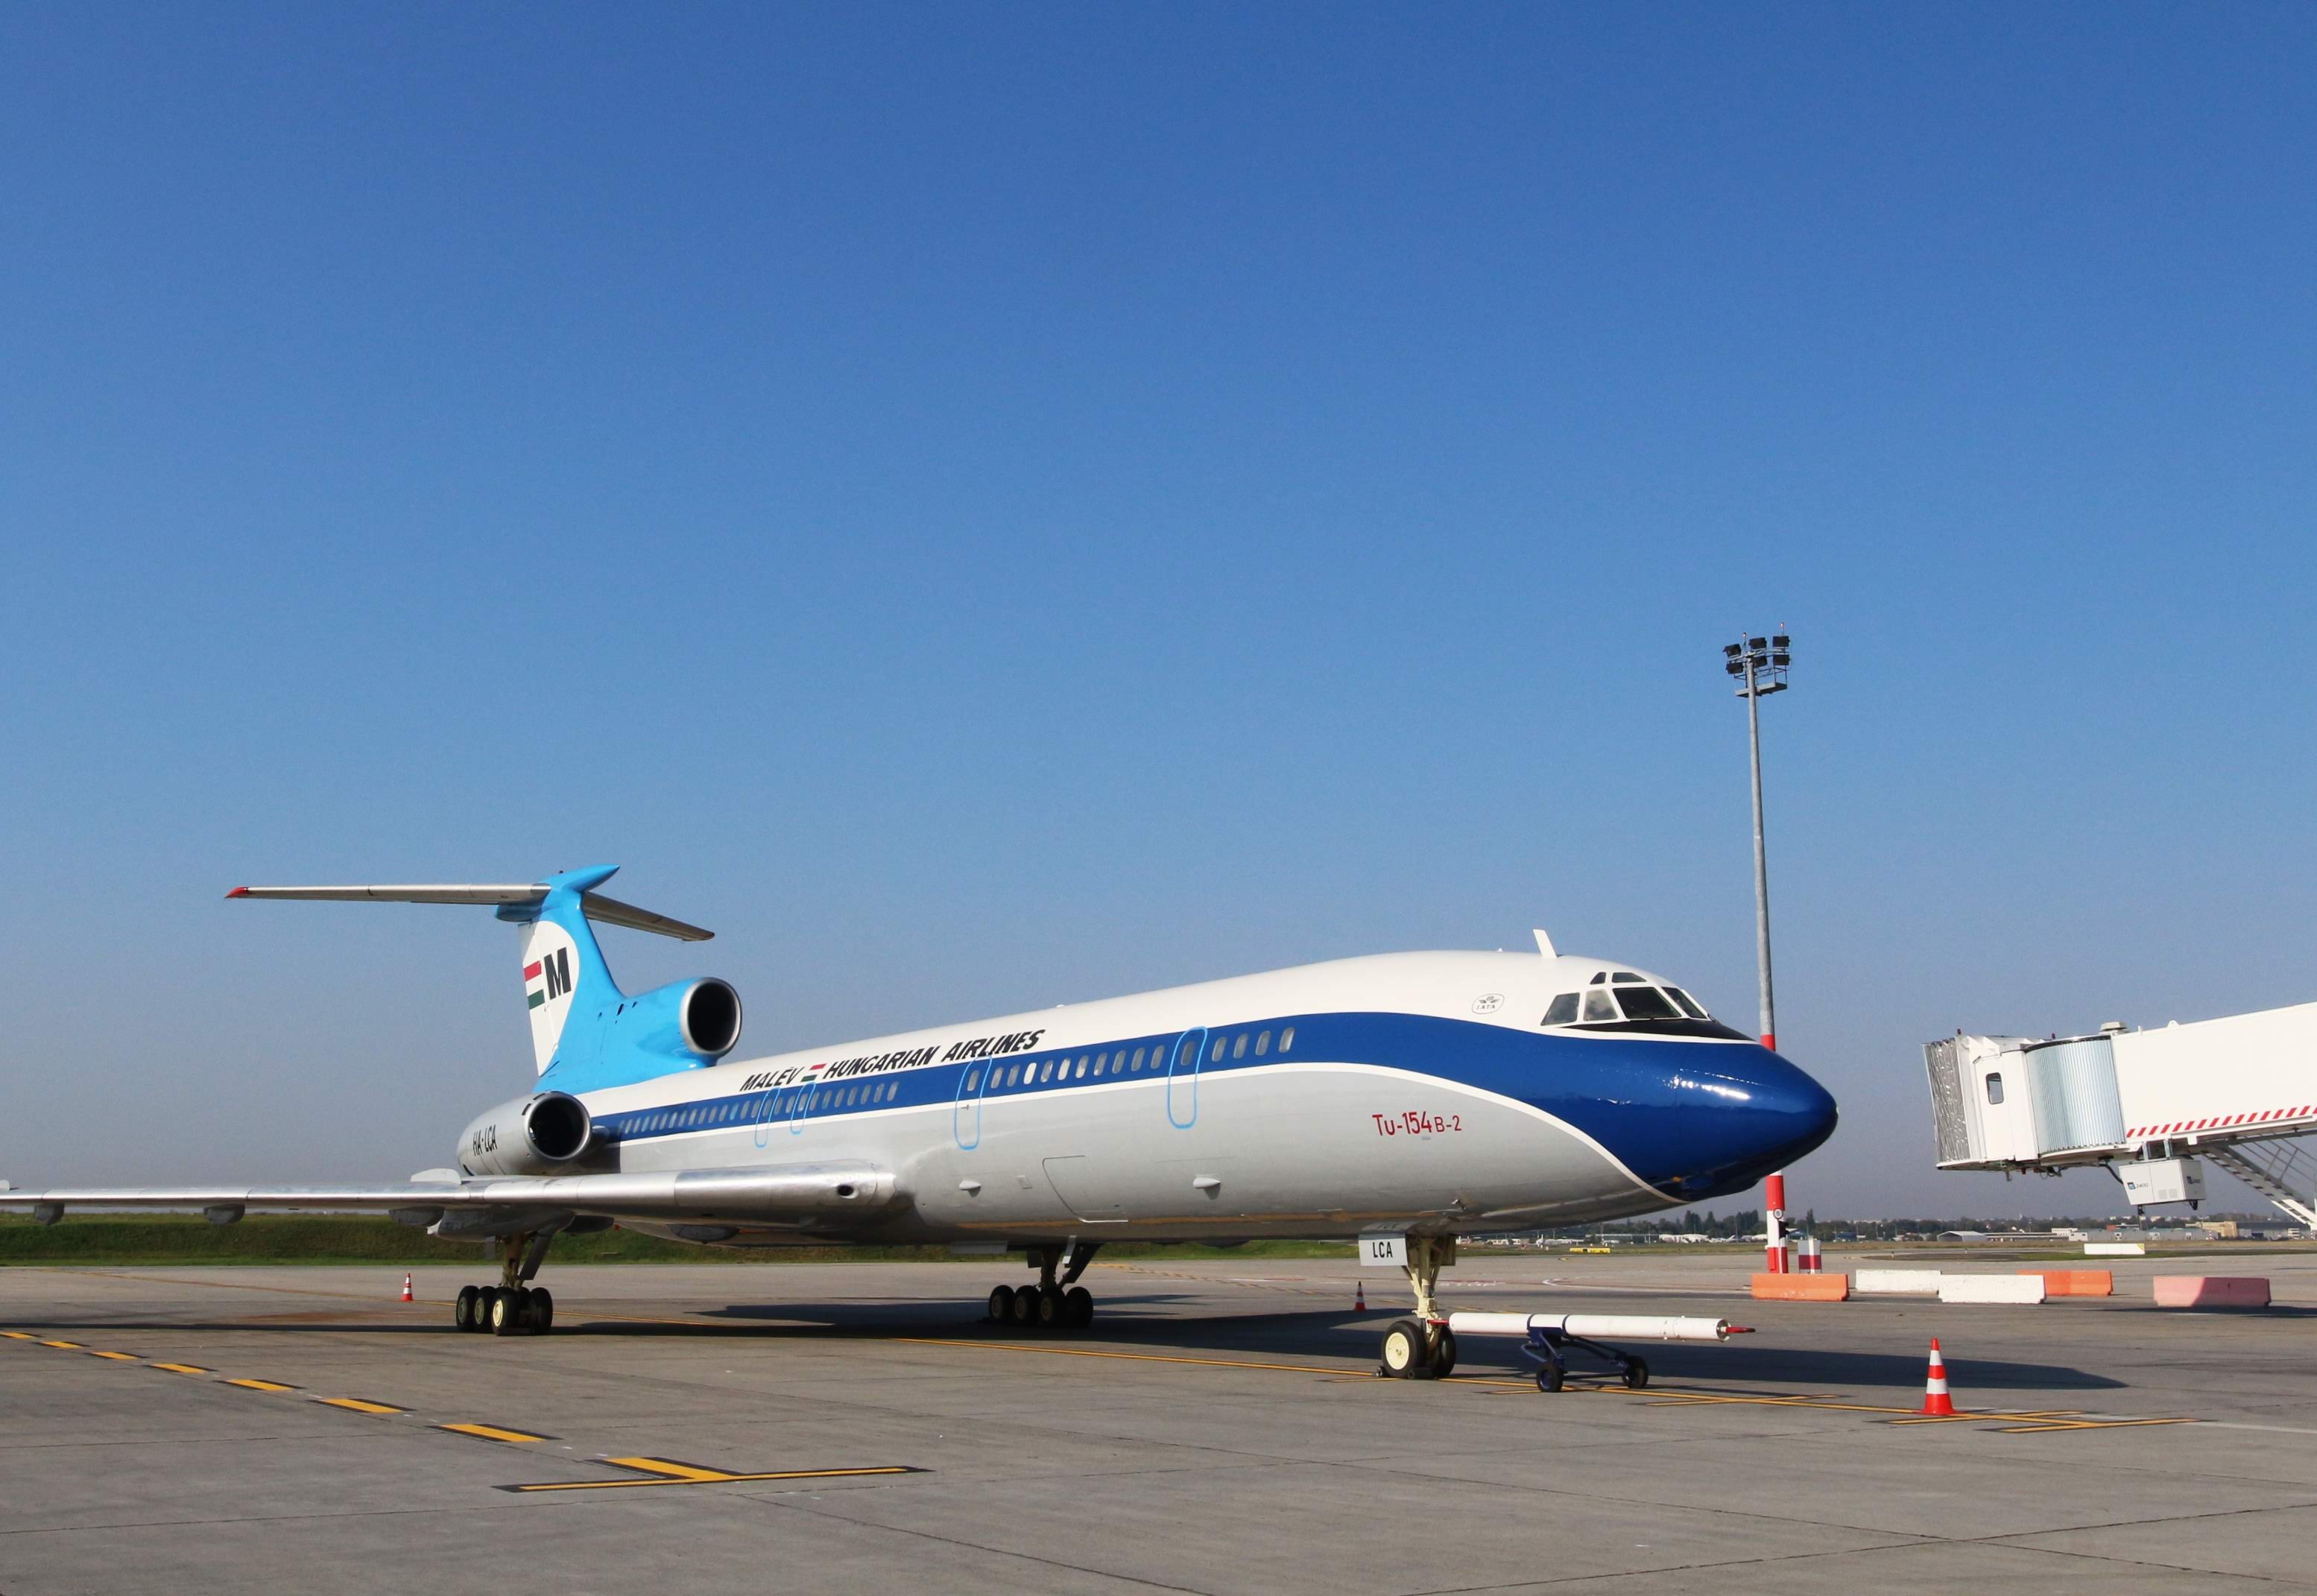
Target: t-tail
{"type": "Point", "coordinates": [586, 1033]}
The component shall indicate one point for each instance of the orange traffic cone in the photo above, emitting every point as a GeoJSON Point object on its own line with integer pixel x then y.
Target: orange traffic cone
{"type": "Point", "coordinates": [1935, 1400]}
{"type": "Point", "coordinates": [405, 1289]}
{"type": "Point", "coordinates": [1360, 1297]}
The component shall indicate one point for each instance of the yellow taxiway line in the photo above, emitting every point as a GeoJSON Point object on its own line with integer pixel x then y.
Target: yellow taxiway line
{"type": "Point", "coordinates": [666, 1472]}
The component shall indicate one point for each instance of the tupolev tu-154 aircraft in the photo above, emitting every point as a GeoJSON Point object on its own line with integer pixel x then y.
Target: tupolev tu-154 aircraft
{"type": "Point", "coordinates": [1416, 1096]}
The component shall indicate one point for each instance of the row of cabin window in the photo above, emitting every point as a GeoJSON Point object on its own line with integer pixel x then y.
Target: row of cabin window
{"type": "Point", "coordinates": [828, 1098]}
{"type": "Point", "coordinates": [1094, 1066]}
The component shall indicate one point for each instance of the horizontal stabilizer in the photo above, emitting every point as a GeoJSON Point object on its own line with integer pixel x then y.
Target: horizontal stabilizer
{"type": "Point", "coordinates": [610, 910]}
{"type": "Point", "coordinates": [607, 910]}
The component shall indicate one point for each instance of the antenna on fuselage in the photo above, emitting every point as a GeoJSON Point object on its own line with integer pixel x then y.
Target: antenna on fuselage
{"type": "Point", "coordinates": [1543, 944]}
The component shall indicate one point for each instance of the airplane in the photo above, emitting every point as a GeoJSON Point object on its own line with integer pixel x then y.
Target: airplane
{"type": "Point", "coordinates": [1402, 1098]}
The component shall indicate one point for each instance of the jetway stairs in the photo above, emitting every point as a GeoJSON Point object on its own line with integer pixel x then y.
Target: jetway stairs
{"type": "Point", "coordinates": [2283, 1172]}
{"type": "Point", "coordinates": [2147, 1104]}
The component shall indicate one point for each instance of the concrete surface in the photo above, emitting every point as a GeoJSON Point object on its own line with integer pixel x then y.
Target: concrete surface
{"type": "Point", "coordinates": [1219, 1430]}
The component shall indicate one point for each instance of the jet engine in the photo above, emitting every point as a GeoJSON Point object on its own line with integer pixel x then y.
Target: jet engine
{"type": "Point", "coordinates": [545, 1134]}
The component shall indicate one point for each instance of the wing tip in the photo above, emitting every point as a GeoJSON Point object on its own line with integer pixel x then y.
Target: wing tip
{"type": "Point", "coordinates": [238, 892]}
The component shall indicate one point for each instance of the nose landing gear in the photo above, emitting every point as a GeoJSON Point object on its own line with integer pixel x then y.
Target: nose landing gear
{"type": "Point", "coordinates": [1418, 1350]}
{"type": "Point", "coordinates": [1422, 1348]}
{"type": "Point", "coordinates": [1055, 1303]}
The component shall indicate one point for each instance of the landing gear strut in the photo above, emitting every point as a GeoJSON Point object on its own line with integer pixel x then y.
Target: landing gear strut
{"type": "Point", "coordinates": [1056, 1302]}
{"type": "Point", "coordinates": [511, 1307]}
{"type": "Point", "coordinates": [1422, 1348]}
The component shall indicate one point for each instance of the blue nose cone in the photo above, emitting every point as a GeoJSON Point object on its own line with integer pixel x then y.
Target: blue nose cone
{"type": "Point", "coordinates": [1792, 1114]}
{"type": "Point", "coordinates": [1698, 1122]}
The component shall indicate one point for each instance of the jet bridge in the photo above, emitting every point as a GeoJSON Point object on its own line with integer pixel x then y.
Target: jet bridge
{"type": "Point", "coordinates": [2149, 1105]}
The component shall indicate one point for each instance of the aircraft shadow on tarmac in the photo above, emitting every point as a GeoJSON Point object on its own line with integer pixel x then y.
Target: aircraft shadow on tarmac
{"type": "Point", "coordinates": [1148, 1322]}
{"type": "Point", "coordinates": [1331, 1334]}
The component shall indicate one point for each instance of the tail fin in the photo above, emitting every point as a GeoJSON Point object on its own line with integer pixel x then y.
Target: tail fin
{"type": "Point", "coordinates": [563, 969]}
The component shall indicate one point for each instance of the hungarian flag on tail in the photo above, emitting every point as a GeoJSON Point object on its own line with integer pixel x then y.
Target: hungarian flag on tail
{"type": "Point", "coordinates": [547, 978]}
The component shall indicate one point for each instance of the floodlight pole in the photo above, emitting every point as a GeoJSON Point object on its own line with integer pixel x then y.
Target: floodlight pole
{"type": "Point", "coordinates": [1761, 865]}
{"type": "Point", "coordinates": [1750, 658]}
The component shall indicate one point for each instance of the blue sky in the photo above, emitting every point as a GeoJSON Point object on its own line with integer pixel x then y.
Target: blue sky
{"type": "Point", "coordinates": [994, 507]}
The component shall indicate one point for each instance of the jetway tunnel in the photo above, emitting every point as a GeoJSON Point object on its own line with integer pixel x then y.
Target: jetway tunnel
{"type": "Point", "coordinates": [2148, 1104]}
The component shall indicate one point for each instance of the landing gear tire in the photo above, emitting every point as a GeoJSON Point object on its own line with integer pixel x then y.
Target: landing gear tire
{"type": "Point", "coordinates": [1404, 1351]}
{"type": "Point", "coordinates": [1443, 1353]}
{"type": "Point", "coordinates": [1637, 1373]}
{"type": "Point", "coordinates": [506, 1313]}
{"type": "Point", "coordinates": [465, 1312]}
{"type": "Point", "coordinates": [1049, 1307]}
{"type": "Point", "coordinates": [1024, 1310]}
{"type": "Point", "coordinates": [1550, 1379]}
{"type": "Point", "coordinates": [542, 1310]}
{"type": "Point", "coordinates": [1078, 1307]}
{"type": "Point", "coordinates": [1001, 1304]}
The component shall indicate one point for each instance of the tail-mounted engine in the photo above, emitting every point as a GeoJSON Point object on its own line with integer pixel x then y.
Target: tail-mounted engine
{"type": "Point", "coordinates": [548, 1133]}
{"type": "Point", "coordinates": [683, 1025]}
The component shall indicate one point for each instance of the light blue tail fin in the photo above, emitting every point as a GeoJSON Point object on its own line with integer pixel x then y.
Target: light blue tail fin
{"type": "Point", "coordinates": [563, 969]}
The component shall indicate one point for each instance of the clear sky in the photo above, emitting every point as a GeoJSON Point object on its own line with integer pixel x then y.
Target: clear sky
{"type": "Point", "coordinates": [995, 505]}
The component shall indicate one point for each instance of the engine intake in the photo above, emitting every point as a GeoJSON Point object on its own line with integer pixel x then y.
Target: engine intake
{"type": "Point", "coordinates": [710, 1017]}
{"type": "Point", "coordinates": [541, 1134]}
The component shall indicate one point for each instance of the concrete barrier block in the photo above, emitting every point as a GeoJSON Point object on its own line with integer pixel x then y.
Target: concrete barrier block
{"type": "Point", "coordinates": [2212, 1291]}
{"type": "Point", "coordinates": [2076, 1282]}
{"type": "Point", "coordinates": [1802, 1287]}
{"type": "Point", "coordinates": [2028, 1289]}
{"type": "Point", "coordinates": [1896, 1282]}
{"type": "Point", "coordinates": [2115, 1249]}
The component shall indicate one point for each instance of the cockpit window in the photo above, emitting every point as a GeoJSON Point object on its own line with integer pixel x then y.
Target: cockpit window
{"type": "Point", "coordinates": [1563, 1011]}
{"type": "Point", "coordinates": [1598, 1005]}
{"type": "Point", "coordinates": [1688, 1004]}
{"type": "Point", "coordinates": [1598, 976]}
{"type": "Point", "coordinates": [1627, 978]}
{"type": "Point", "coordinates": [1646, 1002]}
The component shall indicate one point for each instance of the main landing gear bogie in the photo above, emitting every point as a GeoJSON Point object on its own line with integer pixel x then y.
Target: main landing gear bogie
{"type": "Point", "coordinates": [1042, 1307]}
{"type": "Point", "coordinates": [503, 1310]}
{"type": "Point", "coordinates": [1057, 1302]}
{"type": "Point", "coordinates": [513, 1307]}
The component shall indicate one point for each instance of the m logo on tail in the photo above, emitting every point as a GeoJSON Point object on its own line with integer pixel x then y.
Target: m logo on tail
{"type": "Point", "coordinates": [552, 962]}
{"type": "Point", "coordinates": [548, 976]}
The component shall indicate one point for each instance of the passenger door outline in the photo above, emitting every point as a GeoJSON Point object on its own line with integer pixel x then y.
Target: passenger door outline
{"type": "Point", "coordinates": [972, 1082]}
{"type": "Point", "coordinates": [1182, 1087]}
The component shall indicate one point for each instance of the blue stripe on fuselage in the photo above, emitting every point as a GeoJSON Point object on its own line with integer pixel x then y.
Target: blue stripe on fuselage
{"type": "Point", "coordinates": [1694, 1119]}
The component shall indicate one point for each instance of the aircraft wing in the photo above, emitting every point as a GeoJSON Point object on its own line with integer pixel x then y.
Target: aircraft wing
{"type": "Point", "coordinates": [773, 1192]}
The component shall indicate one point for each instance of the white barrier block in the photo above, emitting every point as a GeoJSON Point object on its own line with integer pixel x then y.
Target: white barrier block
{"type": "Point", "coordinates": [1991, 1289]}
{"type": "Point", "coordinates": [2115, 1249]}
{"type": "Point", "coordinates": [1894, 1283]}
